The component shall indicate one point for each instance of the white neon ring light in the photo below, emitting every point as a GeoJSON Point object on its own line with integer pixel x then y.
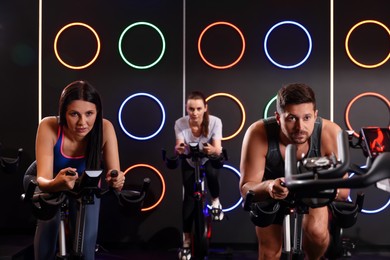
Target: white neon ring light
{"type": "Point", "coordinates": [240, 200]}
{"type": "Point", "coordinates": [370, 211]}
{"type": "Point", "coordinates": [281, 65]}
{"type": "Point", "coordinates": [138, 66]}
{"type": "Point", "coordinates": [141, 137]}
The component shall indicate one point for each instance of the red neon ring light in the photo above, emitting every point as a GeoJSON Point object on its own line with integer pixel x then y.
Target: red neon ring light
{"type": "Point", "coordinates": [97, 41]}
{"type": "Point", "coordinates": [365, 94]}
{"type": "Point", "coordinates": [231, 64]}
{"type": "Point", "coordinates": [159, 175]}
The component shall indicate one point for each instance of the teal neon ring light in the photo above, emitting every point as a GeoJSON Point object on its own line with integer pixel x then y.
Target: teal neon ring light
{"type": "Point", "coordinates": [139, 66]}
{"type": "Point", "coordinates": [266, 109]}
{"type": "Point", "coordinates": [281, 65]}
{"type": "Point", "coordinates": [142, 138]}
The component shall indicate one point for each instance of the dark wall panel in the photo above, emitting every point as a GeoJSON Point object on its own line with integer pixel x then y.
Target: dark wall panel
{"type": "Point", "coordinates": [368, 44]}
{"type": "Point", "coordinates": [245, 88]}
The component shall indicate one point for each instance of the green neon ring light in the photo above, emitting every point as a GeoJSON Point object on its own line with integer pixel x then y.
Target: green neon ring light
{"type": "Point", "coordinates": [266, 109]}
{"type": "Point", "coordinates": [138, 66]}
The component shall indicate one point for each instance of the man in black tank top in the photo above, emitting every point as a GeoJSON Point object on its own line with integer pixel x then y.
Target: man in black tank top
{"type": "Point", "coordinates": [262, 165]}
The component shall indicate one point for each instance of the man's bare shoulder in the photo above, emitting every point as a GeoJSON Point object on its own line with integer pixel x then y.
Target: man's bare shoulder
{"type": "Point", "coordinates": [330, 128]}
{"type": "Point", "coordinates": [256, 133]}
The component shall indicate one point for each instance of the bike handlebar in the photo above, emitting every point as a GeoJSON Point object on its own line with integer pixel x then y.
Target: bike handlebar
{"type": "Point", "coordinates": [332, 178]}
{"type": "Point", "coordinates": [46, 204]}
{"type": "Point", "coordinates": [195, 154]}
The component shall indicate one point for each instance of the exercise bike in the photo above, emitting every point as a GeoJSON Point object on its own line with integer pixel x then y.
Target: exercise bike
{"type": "Point", "coordinates": [46, 205]}
{"type": "Point", "coordinates": [202, 217]}
{"type": "Point", "coordinates": [298, 202]}
{"type": "Point", "coordinates": [10, 164]}
{"type": "Point", "coordinates": [377, 170]}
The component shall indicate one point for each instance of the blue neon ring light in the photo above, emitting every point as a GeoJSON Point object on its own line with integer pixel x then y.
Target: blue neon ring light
{"type": "Point", "coordinates": [141, 137]}
{"type": "Point", "coordinates": [240, 200]}
{"type": "Point", "coordinates": [371, 211]}
{"type": "Point", "coordinates": [281, 65]}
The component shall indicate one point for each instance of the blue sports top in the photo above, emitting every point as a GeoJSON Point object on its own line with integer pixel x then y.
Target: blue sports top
{"type": "Point", "coordinates": [274, 167]}
{"type": "Point", "coordinates": [61, 160]}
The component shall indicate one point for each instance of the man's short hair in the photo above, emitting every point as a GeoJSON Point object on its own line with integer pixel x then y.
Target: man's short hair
{"type": "Point", "coordinates": [296, 93]}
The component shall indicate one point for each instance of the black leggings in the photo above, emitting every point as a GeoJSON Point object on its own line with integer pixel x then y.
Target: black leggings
{"type": "Point", "coordinates": [188, 173]}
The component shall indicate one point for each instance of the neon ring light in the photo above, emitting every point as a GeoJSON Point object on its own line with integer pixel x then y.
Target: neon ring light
{"type": "Point", "coordinates": [97, 42]}
{"type": "Point", "coordinates": [266, 109]}
{"type": "Point", "coordinates": [138, 66]}
{"type": "Point", "coordinates": [371, 211]}
{"type": "Point", "coordinates": [141, 137]}
{"type": "Point", "coordinates": [347, 45]}
{"type": "Point", "coordinates": [287, 66]}
{"type": "Point", "coordinates": [159, 175]}
{"type": "Point", "coordinates": [240, 199]}
{"type": "Point", "coordinates": [231, 64]}
{"type": "Point", "coordinates": [242, 111]}
{"type": "Point", "coordinates": [365, 94]}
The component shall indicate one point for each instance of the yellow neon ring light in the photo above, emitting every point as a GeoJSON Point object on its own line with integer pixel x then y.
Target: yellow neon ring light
{"type": "Point", "coordinates": [242, 111]}
{"type": "Point", "coordinates": [365, 94]}
{"type": "Point", "coordinates": [159, 175]}
{"type": "Point", "coordinates": [231, 64]}
{"type": "Point", "coordinates": [97, 41]}
{"type": "Point", "coordinates": [347, 44]}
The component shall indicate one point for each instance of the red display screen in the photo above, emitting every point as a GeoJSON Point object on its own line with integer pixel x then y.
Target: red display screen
{"type": "Point", "coordinates": [376, 140]}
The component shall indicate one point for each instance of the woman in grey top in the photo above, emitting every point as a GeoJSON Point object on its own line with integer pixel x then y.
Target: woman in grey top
{"type": "Point", "coordinates": [201, 127]}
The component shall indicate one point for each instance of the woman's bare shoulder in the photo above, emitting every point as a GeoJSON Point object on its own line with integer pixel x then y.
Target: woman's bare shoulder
{"type": "Point", "coordinates": [50, 122]}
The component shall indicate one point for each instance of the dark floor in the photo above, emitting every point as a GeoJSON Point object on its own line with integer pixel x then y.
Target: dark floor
{"type": "Point", "coordinates": [224, 253]}
{"type": "Point", "coordinates": [20, 248]}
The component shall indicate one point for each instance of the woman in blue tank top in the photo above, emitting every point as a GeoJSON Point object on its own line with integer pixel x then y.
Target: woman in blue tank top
{"type": "Point", "coordinates": [78, 139]}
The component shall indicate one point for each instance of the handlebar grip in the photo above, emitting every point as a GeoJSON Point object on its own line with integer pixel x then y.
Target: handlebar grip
{"type": "Point", "coordinates": [359, 201]}
{"type": "Point", "coordinates": [248, 200]}
{"type": "Point", "coordinates": [114, 173]}
{"type": "Point", "coordinates": [146, 185]}
{"type": "Point", "coordinates": [70, 173]}
{"type": "Point", "coordinates": [164, 154]}
{"type": "Point", "coordinates": [225, 155]}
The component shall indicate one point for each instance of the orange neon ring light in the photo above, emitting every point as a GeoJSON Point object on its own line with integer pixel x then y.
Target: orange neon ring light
{"type": "Point", "coordinates": [97, 41]}
{"type": "Point", "coordinates": [365, 94]}
{"type": "Point", "coordinates": [242, 111]}
{"type": "Point", "coordinates": [349, 53]}
{"type": "Point", "coordinates": [229, 65]}
{"type": "Point", "coordinates": [159, 175]}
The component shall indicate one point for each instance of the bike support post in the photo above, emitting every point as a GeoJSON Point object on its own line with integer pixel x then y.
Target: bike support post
{"type": "Point", "coordinates": [80, 225]}
{"type": "Point", "coordinates": [62, 254]}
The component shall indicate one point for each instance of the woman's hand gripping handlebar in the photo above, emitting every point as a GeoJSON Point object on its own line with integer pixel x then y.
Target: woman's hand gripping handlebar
{"type": "Point", "coordinates": [194, 154]}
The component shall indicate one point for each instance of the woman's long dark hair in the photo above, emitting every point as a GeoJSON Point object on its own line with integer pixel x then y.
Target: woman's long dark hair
{"type": "Point", "coordinates": [82, 90]}
{"type": "Point", "coordinates": [205, 122]}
